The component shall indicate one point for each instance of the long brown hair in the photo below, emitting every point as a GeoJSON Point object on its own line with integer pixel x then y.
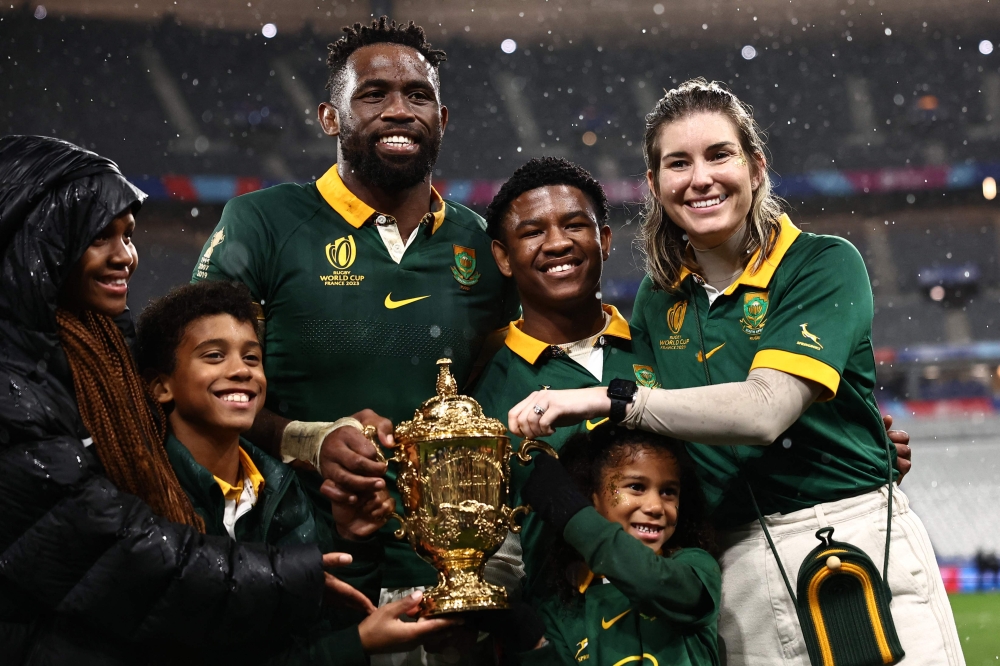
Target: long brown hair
{"type": "Point", "coordinates": [127, 427]}
{"type": "Point", "coordinates": [664, 244]}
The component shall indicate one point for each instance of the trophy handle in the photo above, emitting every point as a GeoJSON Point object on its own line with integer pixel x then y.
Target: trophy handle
{"type": "Point", "coordinates": [372, 435]}
{"type": "Point", "coordinates": [529, 445]}
{"type": "Point", "coordinates": [512, 523]}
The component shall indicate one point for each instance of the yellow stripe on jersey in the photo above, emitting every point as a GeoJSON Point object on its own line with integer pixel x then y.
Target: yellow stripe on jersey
{"type": "Point", "coordinates": [800, 365]}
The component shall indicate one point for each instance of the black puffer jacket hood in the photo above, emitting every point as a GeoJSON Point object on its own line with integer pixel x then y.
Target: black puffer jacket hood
{"type": "Point", "coordinates": [89, 575]}
{"type": "Point", "coordinates": [54, 199]}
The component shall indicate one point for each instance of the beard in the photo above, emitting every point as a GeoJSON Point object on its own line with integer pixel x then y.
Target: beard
{"type": "Point", "coordinates": [362, 154]}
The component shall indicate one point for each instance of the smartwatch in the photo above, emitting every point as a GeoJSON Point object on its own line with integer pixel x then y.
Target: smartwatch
{"type": "Point", "coordinates": [622, 393]}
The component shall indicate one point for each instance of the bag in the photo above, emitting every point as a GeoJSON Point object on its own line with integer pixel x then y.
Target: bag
{"type": "Point", "coordinates": [843, 607]}
{"type": "Point", "coordinates": [843, 602]}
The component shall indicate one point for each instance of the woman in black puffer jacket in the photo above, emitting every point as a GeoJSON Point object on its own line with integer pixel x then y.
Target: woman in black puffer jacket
{"type": "Point", "coordinates": [90, 573]}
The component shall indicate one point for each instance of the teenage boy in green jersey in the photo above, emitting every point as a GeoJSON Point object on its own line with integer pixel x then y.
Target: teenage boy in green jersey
{"type": "Point", "coordinates": [365, 277]}
{"type": "Point", "coordinates": [549, 224]}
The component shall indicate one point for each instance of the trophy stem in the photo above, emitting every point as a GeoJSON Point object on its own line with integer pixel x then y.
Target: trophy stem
{"type": "Point", "coordinates": [461, 586]}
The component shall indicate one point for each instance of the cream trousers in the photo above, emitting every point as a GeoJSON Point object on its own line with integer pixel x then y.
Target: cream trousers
{"type": "Point", "coordinates": [757, 622]}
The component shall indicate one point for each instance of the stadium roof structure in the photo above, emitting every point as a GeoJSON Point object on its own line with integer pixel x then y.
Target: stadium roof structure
{"type": "Point", "coordinates": [715, 21]}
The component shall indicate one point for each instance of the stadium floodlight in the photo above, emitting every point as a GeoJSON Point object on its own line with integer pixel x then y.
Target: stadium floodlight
{"type": "Point", "coordinates": [508, 46]}
{"type": "Point", "coordinates": [269, 30]}
{"type": "Point", "coordinates": [986, 47]}
{"type": "Point", "coordinates": [748, 52]}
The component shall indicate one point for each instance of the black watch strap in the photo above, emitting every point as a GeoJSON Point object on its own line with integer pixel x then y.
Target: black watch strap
{"type": "Point", "coordinates": [622, 393]}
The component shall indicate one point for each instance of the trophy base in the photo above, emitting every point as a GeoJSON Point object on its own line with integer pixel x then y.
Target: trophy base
{"type": "Point", "coordinates": [462, 589]}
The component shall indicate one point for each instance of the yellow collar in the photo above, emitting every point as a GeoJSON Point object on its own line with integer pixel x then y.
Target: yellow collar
{"type": "Point", "coordinates": [356, 211]}
{"type": "Point", "coordinates": [530, 349]}
{"type": "Point", "coordinates": [248, 469]}
{"type": "Point", "coordinates": [787, 233]}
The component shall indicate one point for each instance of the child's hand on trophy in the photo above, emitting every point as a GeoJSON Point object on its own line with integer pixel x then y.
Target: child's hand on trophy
{"type": "Point", "coordinates": [362, 518]}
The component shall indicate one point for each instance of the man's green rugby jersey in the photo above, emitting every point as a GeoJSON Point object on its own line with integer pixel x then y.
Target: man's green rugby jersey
{"type": "Point", "coordinates": [808, 312]}
{"type": "Point", "coordinates": [525, 364]}
{"type": "Point", "coordinates": [648, 609]}
{"type": "Point", "coordinates": [347, 328]}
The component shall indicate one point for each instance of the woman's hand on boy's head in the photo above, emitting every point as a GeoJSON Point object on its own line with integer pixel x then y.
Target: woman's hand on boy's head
{"type": "Point", "coordinates": [384, 631]}
{"type": "Point", "coordinates": [543, 411]}
{"type": "Point", "coordinates": [349, 460]}
{"type": "Point", "coordinates": [339, 593]}
{"type": "Point", "coordinates": [364, 517]}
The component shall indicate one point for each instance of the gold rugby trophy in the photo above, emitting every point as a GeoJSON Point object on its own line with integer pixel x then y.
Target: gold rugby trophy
{"type": "Point", "coordinates": [453, 477]}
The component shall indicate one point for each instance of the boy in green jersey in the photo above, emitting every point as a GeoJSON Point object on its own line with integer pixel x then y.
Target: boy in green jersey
{"type": "Point", "coordinates": [199, 350]}
{"type": "Point", "coordinates": [550, 234]}
{"type": "Point", "coordinates": [366, 277]}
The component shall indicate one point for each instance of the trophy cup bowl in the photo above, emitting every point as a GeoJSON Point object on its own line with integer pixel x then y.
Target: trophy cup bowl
{"type": "Point", "coordinates": [453, 476]}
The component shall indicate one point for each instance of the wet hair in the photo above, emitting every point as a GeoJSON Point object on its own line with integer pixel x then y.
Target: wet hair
{"type": "Point", "coordinates": [591, 457]}
{"type": "Point", "coordinates": [381, 31]}
{"type": "Point", "coordinates": [127, 426]}
{"type": "Point", "coordinates": [162, 324]}
{"type": "Point", "coordinates": [664, 242]}
{"type": "Point", "coordinates": [543, 172]}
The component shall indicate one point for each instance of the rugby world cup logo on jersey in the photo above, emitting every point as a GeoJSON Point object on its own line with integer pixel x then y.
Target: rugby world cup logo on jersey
{"type": "Point", "coordinates": [675, 320]}
{"type": "Point", "coordinates": [754, 312]}
{"type": "Point", "coordinates": [464, 271]}
{"type": "Point", "coordinates": [341, 254]}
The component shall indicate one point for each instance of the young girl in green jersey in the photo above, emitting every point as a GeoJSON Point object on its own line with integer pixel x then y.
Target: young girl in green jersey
{"type": "Point", "coordinates": [632, 578]}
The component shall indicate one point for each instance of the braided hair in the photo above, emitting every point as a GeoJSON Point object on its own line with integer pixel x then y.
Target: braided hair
{"type": "Point", "coordinates": [128, 427]}
{"type": "Point", "coordinates": [381, 31]}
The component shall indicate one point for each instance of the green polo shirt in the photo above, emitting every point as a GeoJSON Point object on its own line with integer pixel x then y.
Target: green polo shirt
{"type": "Point", "coordinates": [808, 312]}
{"type": "Point", "coordinates": [525, 364]}
{"type": "Point", "coordinates": [647, 609]}
{"type": "Point", "coordinates": [347, 328]}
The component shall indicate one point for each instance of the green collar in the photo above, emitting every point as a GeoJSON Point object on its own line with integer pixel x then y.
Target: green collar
{"type": "Point", "coordinates": [205, 493]}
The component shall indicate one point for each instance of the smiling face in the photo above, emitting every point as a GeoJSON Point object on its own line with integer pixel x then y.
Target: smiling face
{"type": "Point", "coordinates": [218, 384]}
{"type": "Point", "coordinates": [554, 247]}
{"type": "Point", "coordinates": [704, 180]}
{"type": "Point", "coordinates": [99, 280]}
{"type": "Point", "coordinates": [389, 116]}
{"type": "Point", "coordinates": [642, 493]}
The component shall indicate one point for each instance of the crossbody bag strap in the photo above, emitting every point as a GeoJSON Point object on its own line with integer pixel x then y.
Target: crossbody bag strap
{"type": "Point", "coordinates": [753, 498]}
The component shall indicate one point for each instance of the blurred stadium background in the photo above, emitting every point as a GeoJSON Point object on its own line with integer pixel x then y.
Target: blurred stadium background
{"type": "Point", "coordinates": [884, 124]}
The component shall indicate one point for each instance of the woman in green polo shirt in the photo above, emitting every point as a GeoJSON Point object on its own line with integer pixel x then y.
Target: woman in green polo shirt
{"type": "Point", "coordinates": [762, 337]}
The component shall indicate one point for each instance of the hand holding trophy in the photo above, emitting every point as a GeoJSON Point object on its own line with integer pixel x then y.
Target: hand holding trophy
{"type": "Point", "coordinates": [454, 475]}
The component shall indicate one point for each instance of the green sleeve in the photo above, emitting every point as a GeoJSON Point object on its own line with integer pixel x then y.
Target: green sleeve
{"type": "Point", "coordinates": [817, 317]}
{"type": "Point", "coordinates": [239, 249]}
{"type": "Point", "coordinates": [557, 648]}
{"type": "Point", "coordinates": [684, 587]}
{"type": "Point", "coordinates": [366, 569]}
{"type": "Point", "coordinates": [637, 325]}
{"type": "Point", "coordinates": [335, 648]}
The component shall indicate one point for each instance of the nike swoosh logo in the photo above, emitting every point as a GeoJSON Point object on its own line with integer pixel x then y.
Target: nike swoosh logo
{"type": "Point", "coordinates": [392, 305]}
{"type": "Point", "coordinates": [591, 426]}
{"type": "Point", "coordinates": [701, 359]}
{"type": "Point", "coordinates": [606, 624]}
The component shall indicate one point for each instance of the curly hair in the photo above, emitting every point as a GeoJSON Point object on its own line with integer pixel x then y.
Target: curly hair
{"type": "Point", "coordinates": [590, 457]}
{"type": "Point", "coordinates": [381, 31]}
{"type": "Point", "coordinates": [162, 324]}
{"type": "Point", "coordinates": [542, 172]}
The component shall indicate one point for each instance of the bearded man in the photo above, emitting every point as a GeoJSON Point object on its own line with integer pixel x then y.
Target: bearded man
{"type": "Point", "coordinates": [365, 277]}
